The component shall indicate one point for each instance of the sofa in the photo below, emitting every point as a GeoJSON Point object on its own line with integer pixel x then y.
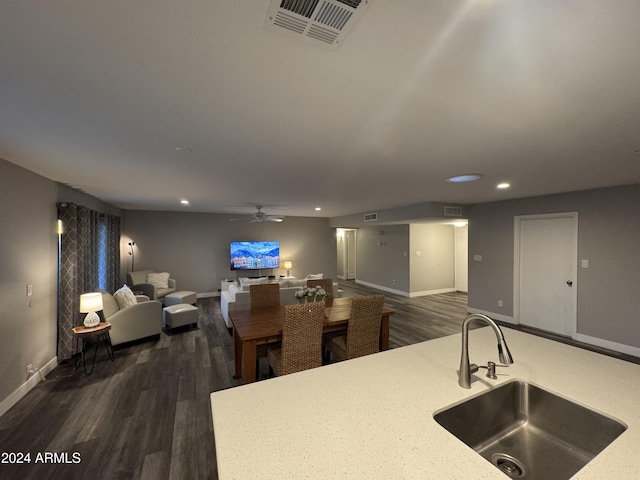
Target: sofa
{"type": "Point", "coordinates": [138, 280]}
{"type": "Point", "coordinates": [141, 320]}
{"type": "Point", "coordinates": [237, 297]}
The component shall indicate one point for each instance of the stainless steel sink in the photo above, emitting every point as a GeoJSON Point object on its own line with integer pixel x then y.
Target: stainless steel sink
{"type": "Point", "coordinates": [530, 433]}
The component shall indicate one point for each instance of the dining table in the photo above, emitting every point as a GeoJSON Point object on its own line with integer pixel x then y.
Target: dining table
{"type": "Point", "coordinates": [263, 325]}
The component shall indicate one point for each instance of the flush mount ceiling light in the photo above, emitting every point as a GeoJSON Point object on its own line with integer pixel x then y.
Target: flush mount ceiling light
{"type": "Point", "coordinates": [184, 202]}
{"type": "Point", "coordinates": [469, 177]}
{"type": "Point", "coordinates": [318, 209]}
{"type": "Point", "coordinates": [503, 185]}
{"type": "Point", "coordinates": [184, 149]}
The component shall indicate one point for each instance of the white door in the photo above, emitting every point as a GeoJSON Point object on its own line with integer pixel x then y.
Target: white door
{"type": "Point", "coordinates": [351, 254]}
{"type": "Point", "coordinates": [546, 268]}
{"type": "Point", "coordinates": [462, 258]}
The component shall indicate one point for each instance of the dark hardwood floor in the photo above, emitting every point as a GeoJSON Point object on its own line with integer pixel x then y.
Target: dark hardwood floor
{"type": "Point", "coordinates": [418, 318]}
{"type": "Point", "coordinates": [147, 414]}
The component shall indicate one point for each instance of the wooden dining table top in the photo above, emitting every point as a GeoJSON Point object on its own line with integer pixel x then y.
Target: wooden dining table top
{"type": "Point", "coordinates": [264, 322]}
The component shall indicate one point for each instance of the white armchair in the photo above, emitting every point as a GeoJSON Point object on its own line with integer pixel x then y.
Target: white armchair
{"type": "Point", "coordinates": [144, 319]}
{"type": "Point", "coordinates": [138, 281]}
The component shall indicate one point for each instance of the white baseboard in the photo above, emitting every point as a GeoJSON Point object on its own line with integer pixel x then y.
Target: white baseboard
{"type": "Point", "coordinates": [27, 386]}
{"type": "Point", "coordinates": [385, 289]}
{"type": "Point", "coordinates": [616, 347]}
{"type": "Point", "coordinates": [493, 315]}
{"type": "Point", "coordinates": [432, 292]}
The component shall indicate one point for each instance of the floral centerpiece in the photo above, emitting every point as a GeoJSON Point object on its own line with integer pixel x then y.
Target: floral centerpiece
{"type": "Point", "coordinates": [311, 294]}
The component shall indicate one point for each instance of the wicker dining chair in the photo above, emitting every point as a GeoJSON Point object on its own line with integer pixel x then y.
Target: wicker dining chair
{"type": "Point", "coordinates": [363, 330]}
{"type": "Point", "coordinates": [301, 347]}
{"type": "Point", "coordinates": [325, 283]}
{"type": "Point", "coordinates": [263, 295]}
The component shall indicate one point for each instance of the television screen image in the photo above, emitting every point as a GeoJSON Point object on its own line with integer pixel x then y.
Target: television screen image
{"type": "Point", "coordinates": [255, 255]}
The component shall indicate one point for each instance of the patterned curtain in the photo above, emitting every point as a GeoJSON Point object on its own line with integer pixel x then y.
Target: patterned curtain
{"type": "Point", "coordinates": [79, 265]}
{"type": "Point", "coordinates": [112, 252]}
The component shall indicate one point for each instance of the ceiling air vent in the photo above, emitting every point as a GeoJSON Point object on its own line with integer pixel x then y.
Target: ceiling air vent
{"type": "Point", "coordinates": [323, 22]}
{"type": "Point", "coordinates": [452, 211]}
{"type": "Point", "coordinates": [370, 217]}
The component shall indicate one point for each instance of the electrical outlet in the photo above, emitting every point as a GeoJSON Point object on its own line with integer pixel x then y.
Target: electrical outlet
{"type": "Point", "coordinates": [30, 371]}
{"type": "Point", "coordinates": [500, 303]}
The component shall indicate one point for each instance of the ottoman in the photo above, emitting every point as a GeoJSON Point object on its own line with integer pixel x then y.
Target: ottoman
{"type": "Point", "coordinates": [177, 298]}
{"type": "Point", "coordinates": [179, 315]}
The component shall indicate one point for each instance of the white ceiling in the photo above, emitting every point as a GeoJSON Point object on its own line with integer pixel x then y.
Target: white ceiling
{"type": "Point", "coordinates": [544, 94]}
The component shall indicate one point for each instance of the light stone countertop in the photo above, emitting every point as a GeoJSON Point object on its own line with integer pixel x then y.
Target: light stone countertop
{"type": "Point", "coordinates": [372, 417]}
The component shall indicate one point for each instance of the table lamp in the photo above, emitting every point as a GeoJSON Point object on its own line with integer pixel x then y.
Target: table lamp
{"type": "Point", "coordinates": [288, 266]}
{"type": "Point", "coordinates": [90, 303]}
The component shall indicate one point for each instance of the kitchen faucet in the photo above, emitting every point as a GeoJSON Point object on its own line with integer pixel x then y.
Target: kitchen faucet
{"type": "Point", "coordinates": [464, 379]}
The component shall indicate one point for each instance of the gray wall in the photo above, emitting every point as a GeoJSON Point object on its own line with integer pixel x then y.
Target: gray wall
{"type": "Point", "coordinates": [400, 215]}
{"type": "Point", "coordinates": [608, 236]}
{"type": "Point", "coordinates": [387, 258]}
{"type": "Point", "coordinates": [433, 270]}
{"type": "Point", "coordinates": [194, 247]}
{"type": "Point", "coordinates": [386, 264]}
{"type": "Point", "coordinates": [29, 256]}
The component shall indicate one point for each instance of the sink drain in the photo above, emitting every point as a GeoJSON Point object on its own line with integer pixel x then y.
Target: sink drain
{"type": "Point", "coordinates": [508, 464]}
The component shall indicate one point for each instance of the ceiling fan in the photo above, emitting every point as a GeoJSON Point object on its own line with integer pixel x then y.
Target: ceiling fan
{"type": "Point", "coordinates": [260, 216]}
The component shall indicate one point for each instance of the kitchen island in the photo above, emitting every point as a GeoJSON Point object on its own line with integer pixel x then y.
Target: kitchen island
{"type": "Point", "coordinates": [372, 417]}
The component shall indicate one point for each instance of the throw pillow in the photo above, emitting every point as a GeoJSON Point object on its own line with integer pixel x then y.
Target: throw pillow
{"type": "Point", "coordinates": [124, 297]}
{"type": "Point", "coordinates": [159, 280]}
{"type": "Point", "coordinates": [245, 282]}
{"type": "Point", "coordinates": [313, 276]}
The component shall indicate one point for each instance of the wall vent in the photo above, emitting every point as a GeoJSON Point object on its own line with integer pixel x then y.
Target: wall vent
{"type": "Point", "coordinates": [370, 217]}
{"type": "Point", "coordinates": [323, 22]}
{"type": "Point", "coordinates": [452, 211]}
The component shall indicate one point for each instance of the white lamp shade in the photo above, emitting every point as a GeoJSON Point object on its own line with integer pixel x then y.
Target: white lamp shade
{"type": "Point", "coordinates": [288, 265]}
{"type": "Point", "coordinates": [90, 302]}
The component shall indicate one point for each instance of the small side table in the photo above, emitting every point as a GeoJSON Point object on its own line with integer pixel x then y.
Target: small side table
{"type": "Point", "coordinates": [85, 333]}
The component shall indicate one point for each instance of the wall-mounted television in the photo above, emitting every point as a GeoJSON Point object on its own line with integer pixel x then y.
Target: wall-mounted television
{"type": "Point", "coordinates": [255, 255]}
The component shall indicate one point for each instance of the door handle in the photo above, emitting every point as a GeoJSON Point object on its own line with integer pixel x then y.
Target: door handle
{"type": "Point", "coordinates": [570, 283]}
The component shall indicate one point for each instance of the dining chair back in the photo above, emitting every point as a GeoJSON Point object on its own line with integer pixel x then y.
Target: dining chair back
{"type": "Point", "coordinates": [265, 295]}
{"type": "Point", "coordinates": [301, 347]}
{"type": "Point", "coordinates": [363, 330]}
{"type": "Point", "coordinates": [325, 283]}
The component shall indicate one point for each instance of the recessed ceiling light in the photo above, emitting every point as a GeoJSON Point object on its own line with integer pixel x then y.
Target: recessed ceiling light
{"type": "Point", "coordinates": [318, 209]}
{"type": "Point", "coordinates": [183, 149]}
{"type": "Point", "coordinates": [503, 185]}
{"type": "Point", "coordinates": [184, 202]}
{"type": "Point", "coordinates": [469, 177]}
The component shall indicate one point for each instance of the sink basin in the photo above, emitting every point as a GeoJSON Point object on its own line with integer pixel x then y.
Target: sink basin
{"type": "Point", "coordinates": [530, 433]}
